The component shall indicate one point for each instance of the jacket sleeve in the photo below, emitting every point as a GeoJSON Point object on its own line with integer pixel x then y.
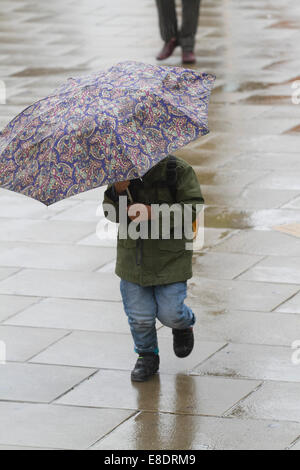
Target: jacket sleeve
{"type": "Point", "coordinates": [189, 199]}
{"type": "Point", "coordinates": [188, 188]}
{"type": "Point", "coordinates": [111, 204]}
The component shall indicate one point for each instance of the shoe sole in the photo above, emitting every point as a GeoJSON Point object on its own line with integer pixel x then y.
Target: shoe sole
{"type": "Point", "coordinates": [182, 356]}
{"type": "Point", "coordinates": [142, 379]}
{"type": "Point", "coordinates": [164, 58]}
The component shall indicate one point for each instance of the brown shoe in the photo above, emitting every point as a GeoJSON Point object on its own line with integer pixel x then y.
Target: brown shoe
{"type": "Point", "coordinates": [168, 49]}
{"type": "Point", "coordinates": [188, 57]}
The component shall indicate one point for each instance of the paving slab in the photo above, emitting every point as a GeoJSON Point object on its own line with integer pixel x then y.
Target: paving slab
{"type": "Point", "coordinates": [248, 198]}
{"type": "Point", "coordinates": [243, 219]}
{"type": "Point", "coordinates": [87, 211]}
{"type": "Point", "coordinates": [238, 295]}
{"type": "Point", "coordinates": [183, 432]}
{"type": "Point", "coordinates": [37, 61]}
{"type": "Point", "coordinates": [295, 446]}
{"type": "Point", "coordinates": [214, 236]}
{"type": "Point", "coordinates": [54, 256]}
{"type": "Point", "coordinates": [168, 393]}
{"type": "Point", "coordinates": [259, 126]}
{"type": "Point", "coordinates": [12, 304]}
{"type": "Point", "coordinates": [226, 178]}
{"type": "Point", "coordinates": [36, 383]}
{"type": "Point", "coordinates": [108, 267]}
{"type": "Point", "coordinates": [288, 179]}
{"type": "Point", "coordinates": [279, 143]}
{"type": "Point", "coordinates": [278, 401]}
{"type": "Point", "coordinates": [240, 326]}
{"type": "Point", "coordinates": [4, 447]}
{"type": "Point", "coordinates": [252, 362]}
{"type": "Point", "coordinates": [44, 231]}
{"type": "Point", "coordinates": [63, 284]}
{"type": "Point", "coordinates": [275, 269]}
{"type": "Point", "coordinates": [237, 112]}
{"type": "Point", "coordinates": [210, 159]}
{"type": "Point", "coordinates": [265, 161]}
{"type": "Point", "coordinates": [18, 206]}
{"type": "Point", "coordinates": [222, 265]}
{"type": "Point", "coordinates": [294, 204]}
{"type": "Point", "coordinates": [23, 343]}
{"type": "Point", "coordinates": [60, 427]}
{"type": "Point", "coordinates": [171, 364]}
{"type": "Point", "coordinates": [291, 306]}
{"type": "Point", "coordinates": [260, 242]}
{"type": "Point", "coordinates": [91, 349]}
{"type": "Point", "coordinates": [74, 315]}
{"type": "Point", "coordinates": [95, 240]}
{"type": "Point", "coordinates": [7, 272]}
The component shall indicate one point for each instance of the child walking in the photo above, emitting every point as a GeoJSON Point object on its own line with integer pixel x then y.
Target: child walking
{"type": "Point", "coordinates": [154, 271]}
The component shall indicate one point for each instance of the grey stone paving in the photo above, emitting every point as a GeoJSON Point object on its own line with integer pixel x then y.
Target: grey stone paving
{"type": "Point", "coordinates": [66, 382]}
{"type": "Point", "coordinates": [199, 433]}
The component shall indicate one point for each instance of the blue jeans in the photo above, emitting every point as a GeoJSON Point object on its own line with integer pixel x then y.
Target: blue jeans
{"type": "Point", "coordinates": [144, 304]}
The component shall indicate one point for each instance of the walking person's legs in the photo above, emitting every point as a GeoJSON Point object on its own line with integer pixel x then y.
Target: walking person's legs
{"type": "Point", "coordinates": [168, 27]}
{"type": "Point", "coordinates": [190, 18]}
{"type": "Point", "coordinates": [141, 309]}
{"type": "Point", "coordinates": [174, 313]}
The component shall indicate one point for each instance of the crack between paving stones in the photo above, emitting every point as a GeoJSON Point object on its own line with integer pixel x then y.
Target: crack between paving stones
{"type": "Point", "coordinates": [74, 387]}
{"type": "Point", "coordinates": [49, 346]}
{"type": "Point", "coordinates": [137, 413]}
{"type": "Point", "coordinates": [285, 301]}
{"type": "Point", "coordinates": [250, 267]}
{"type": "Point", "coordinates": [209, 357]}
{"type": "Point", "coordinates": [226, 414]}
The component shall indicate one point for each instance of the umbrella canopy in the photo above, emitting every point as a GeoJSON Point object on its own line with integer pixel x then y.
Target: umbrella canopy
{"type": "Point", "coordinates": [106, 127]}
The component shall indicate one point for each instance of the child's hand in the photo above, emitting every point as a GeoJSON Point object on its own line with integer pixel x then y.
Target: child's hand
{"type": "Point", "coordinates": [139, 212]}
{"type": "Point", "coordinates": [121, 186]}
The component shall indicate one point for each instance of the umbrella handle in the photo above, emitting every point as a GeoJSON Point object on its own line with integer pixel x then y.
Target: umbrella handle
{"type": "Point", "coordinates": [129, 196]}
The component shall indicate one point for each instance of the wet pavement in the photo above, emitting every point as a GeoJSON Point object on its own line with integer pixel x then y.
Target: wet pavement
{"type": "Point", "coordinates": [66, 383]}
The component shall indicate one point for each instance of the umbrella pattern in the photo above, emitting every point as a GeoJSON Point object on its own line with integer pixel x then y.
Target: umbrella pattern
{"type": "Point", "coordinates": [102, 128]}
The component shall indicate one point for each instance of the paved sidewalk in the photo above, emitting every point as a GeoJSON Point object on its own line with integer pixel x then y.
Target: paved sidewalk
{"type": "Point", "coordinates": [66, 383]}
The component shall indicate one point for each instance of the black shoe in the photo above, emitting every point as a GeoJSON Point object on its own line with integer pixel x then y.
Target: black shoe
{"type": "Point", "coordinates": [183, 342]}
{"type": "Point", "coordinates": [146, 366]}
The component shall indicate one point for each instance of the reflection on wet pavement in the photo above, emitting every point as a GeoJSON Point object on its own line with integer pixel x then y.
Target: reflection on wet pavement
{"type": "Point", "coordinates": [239, 388]}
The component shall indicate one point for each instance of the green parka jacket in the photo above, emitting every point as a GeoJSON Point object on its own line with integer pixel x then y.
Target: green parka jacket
{"type": "Point", "coordinates": [153, 261]}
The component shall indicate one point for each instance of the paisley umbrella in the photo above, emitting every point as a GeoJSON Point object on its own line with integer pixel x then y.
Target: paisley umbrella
{"type": "Point", "coordinates": [102, 128]}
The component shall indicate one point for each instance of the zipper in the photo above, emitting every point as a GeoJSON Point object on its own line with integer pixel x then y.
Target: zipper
{"type": "Point", "coordinates": [139, 252]}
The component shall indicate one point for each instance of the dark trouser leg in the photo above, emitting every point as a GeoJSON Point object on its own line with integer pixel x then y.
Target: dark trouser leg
{"type": "Point", "coordinates": [167, 19]}
{"type": "Point", "coordinates": [190, 18]}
